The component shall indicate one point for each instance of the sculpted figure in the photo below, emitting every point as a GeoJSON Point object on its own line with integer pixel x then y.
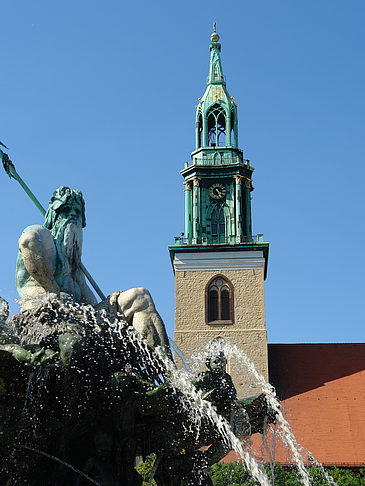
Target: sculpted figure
{"type": "Point", "coordinates": [49, 256]}
{"type": "Point", "coordinates": [49, 261]}
{"type": "Point", "coordinates": [140, 312]}
{"type": "Point", "coordinates": [40, 355]}
{"type": "Point", "coordinates": [100, 467]}
{"type": "Point", "coordinates": [217, 384]}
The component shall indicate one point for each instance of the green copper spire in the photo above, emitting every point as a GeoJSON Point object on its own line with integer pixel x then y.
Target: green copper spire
{"type": "Point", "coordinates": [215, 67]}
{"type": "Point", "coordinates": [216, 114]}
{"type": "Point", "coordinates": [218, 180]}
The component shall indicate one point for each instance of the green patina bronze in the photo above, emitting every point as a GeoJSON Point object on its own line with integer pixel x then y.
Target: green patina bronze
{"type": "Point", "coordinates": [12, 173]}
{"type": "Point", "coordinates": [29, 354]}
{"type": "Point", "coordinates": [218, 180]}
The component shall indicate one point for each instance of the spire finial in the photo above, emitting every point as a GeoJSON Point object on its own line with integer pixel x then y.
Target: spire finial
{"type": "Point", "coordinates": [214, 37]}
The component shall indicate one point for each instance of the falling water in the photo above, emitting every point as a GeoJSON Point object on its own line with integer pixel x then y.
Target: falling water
{"type": "Point", "coordinates": [282, 426]}
{"type": "Point", "coordinates": [199, 408]}
{"type": "Point", "coordinates": [270, 448]}
{"type": "Point", "coordinates": [193, 401]}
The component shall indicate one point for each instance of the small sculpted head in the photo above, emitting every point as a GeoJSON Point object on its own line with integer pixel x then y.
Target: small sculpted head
{"type": "Point", "coordinates": [67, 204]}
{"type": "Point", "coordinates": [217, 363]}
{"type": "Point", "coordinates": [65, 219]}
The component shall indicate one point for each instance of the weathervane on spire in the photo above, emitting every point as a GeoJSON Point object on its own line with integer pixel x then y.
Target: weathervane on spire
{"type": "Point", "coordinates": [214, 37]}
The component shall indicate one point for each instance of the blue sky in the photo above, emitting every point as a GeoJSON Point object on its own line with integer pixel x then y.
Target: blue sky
{"type": "Point", "coordinates": [101, 95]}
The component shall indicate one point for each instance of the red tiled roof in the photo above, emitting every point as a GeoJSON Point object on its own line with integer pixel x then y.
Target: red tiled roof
{"type": "Point", "coordinates": [322, 388]}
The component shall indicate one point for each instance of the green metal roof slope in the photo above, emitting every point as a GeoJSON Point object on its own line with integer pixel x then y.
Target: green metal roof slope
{"type": "Point", "coordinates": [215, 67]}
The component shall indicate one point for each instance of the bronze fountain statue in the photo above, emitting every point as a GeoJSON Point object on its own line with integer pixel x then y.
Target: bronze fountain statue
{"type": "Point", "coordinates": [86, 387]}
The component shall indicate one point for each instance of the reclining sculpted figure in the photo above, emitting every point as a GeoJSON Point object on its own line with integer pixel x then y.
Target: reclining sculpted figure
{"type": "Point", "coordinates": [49, 262]}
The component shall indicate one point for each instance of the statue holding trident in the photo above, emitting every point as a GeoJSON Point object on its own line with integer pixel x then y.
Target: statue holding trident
{"type": "Point", "coordinates": [49, 256]}
{"type": "Point", "coordinates": [49, 262]}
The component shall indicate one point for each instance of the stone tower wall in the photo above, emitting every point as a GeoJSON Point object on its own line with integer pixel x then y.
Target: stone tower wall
{"type": "Point", "coordinates": [248, 330]}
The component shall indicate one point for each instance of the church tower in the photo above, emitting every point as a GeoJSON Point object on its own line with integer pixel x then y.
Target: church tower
{"type": "Point", "coordinates": [219, 265]}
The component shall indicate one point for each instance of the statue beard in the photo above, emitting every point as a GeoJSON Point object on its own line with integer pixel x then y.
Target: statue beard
{"type": "Point", "coordinates": [67, 235]}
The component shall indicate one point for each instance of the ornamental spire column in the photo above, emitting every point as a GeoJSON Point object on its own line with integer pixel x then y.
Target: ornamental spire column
{"type": "Point", "coordinates": [188, 215]}
{"type": "Point", "coordinates": [238, 204]}
{"type": "Point", "coordinates": [247, 190]}
{"type": "Point", "coordinates": [205, 142]}
{"type": "Point", "coordinates": [196, 208]}
{"type": "Point", "coordinates": [228, 130]}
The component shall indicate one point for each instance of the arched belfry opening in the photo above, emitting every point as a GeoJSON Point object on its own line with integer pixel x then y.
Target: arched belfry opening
{"type": "Point", "coordinates": [219, 300]}
{"type": "Point", "coordinates": [216, 126]}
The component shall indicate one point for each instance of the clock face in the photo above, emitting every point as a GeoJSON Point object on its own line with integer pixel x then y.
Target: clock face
{"type": "Point", "coordinates": [217, 191]}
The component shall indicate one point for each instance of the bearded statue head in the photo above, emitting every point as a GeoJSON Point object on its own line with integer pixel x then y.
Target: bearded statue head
{"type": "Point", "coordinates": [64, 197]}
{"type": "Point", "coordinates": [65, 219]}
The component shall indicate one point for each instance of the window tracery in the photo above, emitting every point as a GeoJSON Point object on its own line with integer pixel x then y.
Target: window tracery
{"type": "Point", "coordinates": [216, 126]}
{"type": "Point", "coordinates": [219, 300]}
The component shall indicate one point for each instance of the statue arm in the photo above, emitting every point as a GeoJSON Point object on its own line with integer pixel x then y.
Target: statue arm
{"type": "Point", "coordinates": [38, 253]}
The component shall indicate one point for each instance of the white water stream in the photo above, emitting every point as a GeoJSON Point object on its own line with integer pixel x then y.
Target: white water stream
{"type": "Point", "coordinates": [282, 427]}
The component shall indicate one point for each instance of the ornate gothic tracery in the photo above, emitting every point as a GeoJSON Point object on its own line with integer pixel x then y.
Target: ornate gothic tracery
{"type": "Point", "coordinates": [216, 126]}
{"type": "Point", "coordinates": [219, 300]}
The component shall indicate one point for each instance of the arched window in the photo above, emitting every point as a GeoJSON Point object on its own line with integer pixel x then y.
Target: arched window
{"type": "Point", "coordinates": [216, 126]}
{"type": "Point", "coordinates": [217, 158]}
{"type": "Point", "coordinates": [219, 300]}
